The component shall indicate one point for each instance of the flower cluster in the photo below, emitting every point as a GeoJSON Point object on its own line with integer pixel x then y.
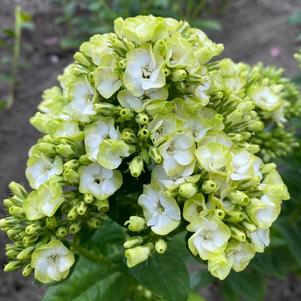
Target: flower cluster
{"type": "Point", "coordinates": [146, 129]}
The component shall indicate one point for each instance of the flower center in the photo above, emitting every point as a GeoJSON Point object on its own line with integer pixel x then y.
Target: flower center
{"type": "Point", "coordinates": [207, 235]}
{"type": "Point", "coordinates": [146, 72]}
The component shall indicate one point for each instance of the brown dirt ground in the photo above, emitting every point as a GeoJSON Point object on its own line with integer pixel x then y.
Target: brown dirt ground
{"type": "Point", "coordinates": [251, 28]}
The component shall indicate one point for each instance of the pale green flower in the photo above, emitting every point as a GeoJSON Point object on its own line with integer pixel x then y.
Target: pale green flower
{"type": "Point", "coordinates": [106, 77]}
{"type": "Point", "coordinates": [144, 71]}
{"type": "Point", "coordinates": [179, 52]}
{"type": "Point", "coordinates": [210, 238]}
{"type": "Point", "coordinates": [41, 168]}
{"type": "Point", "coordinates": [213, 157]}
{"type": "Point", "coordinates": [263, 211]}
{"type": "Point", "coordinates": [44, 201]}
{"type": "Point", "coordinates": [137, 255]}
{"type": "Point", "coordinates": [80, 107]}
{"type": "Point", "coordinates": [52, 262]}
{"type": "Point", "coordinates": [142, 28]}
{"type": "Point", "coordinates": [194, 208]}
{"type": "Point", "coordinates": [111, 152]}
{"type": "Point", "coordinates": [96, 132]}
{"type": "Point", "coordinates": [219, 266]}
{"type": "Point", "coordinates": [128, 100]}
{"type": "Point", "coordinates": [260, 239]}
{"type": "Point", "coordinates": [178, 154]}
{"type": "Point", "coordinates": [161, 211]}
{"type": "Point", "coordinates": [240, 254]}
{"type": "Point", "coordinates": [99, 181]}
{"type": "Point", "coordinates": [244, 165]}
{"type": "Point", "coordinates": [97, 47]}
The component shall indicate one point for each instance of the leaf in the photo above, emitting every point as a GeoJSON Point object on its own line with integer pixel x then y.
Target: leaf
{"type": "Point", "coordinates": [201, 279]}
{"type": "Point", "coordinates": [165, 275]}
{"type": "Point", "coordinates": [292, 235]}
{"type": "Point", "coordinates": [207, 24]}
{"type": "Point", "coordinates": [295, 18]}
{"type": "Point", "coordinates": [228, 293]}
{"type": "Point", "coordinates": [89, 282]}
{"type": "Point", "coordinates": [250, 285]}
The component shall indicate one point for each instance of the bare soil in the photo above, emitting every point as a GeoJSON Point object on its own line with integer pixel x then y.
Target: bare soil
{"type": "Point", "coordinates": [251, 30]}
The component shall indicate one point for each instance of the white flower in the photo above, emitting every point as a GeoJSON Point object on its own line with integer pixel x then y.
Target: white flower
{"type": "Point", "coordinates": [210, 237]}
{"type": "Point", "coordinates": [41, 168]}
{"type": "Point", "coordinates": [52, 262]}
{"type": "Point", "coordinates": [260, 239]}
{"type": "Point", "coordinates": [80, 107]}
{"type": "Point", "coordinates": [96, 132]}
{"type": "Point", "coordinates": [245, 165]}
{"type": "Point", "coordinates": [99, 181]}
{"type": "Point", "coordinates": [144, 71]}
{"type": "Point", "coordinates": [128, 100]}
{"type": "Point", "coordinates": [220, 266]}
{"type": "Point", "coordinates": [160, 210]}
{"type": "Point", "coordinates": [178, 154]}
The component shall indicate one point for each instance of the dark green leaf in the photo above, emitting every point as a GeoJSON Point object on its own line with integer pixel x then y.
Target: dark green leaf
{"type": "Point", "coordinates": [249, 284]}
{"type": "Point", "coordinates": [165, 275]}
{"type": "Point", "coordinates": [201, 279]}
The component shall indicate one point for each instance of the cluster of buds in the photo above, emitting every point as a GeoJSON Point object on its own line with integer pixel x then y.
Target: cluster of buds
{"type": "Point", "coordinates": [144, 120]}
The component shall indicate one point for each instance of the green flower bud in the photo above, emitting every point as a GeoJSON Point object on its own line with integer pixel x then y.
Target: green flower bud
{"type": "Point", "coordinates": [7, 203]}
{"type": "Point", "coordinates": [27, 270]}
{"type": "Point", "coordinates": [250, 227]}
{"type": "Point", "coordinates": [26, 253]}
{"type": "Point", "coordinates": [147, 294]}
{"type": "Point", "coordinates": [12, 254]}
{"type": "Point", "coordinates": [51, 222]}
{"type": "Point", "coordinates": [135, 223]}
{"type": "Point", "coordinates": [252, 148]}
{"type": "Point", "coordinates": [88, 198]}
{"type": "Point", "coordinates": [12, 266]}
{"type": "Point", "coordinates": [62, 232]}
{"type": "Point", "coordinates": [239, 198]}
{"type": "Point", "coordinates": [126, 114]}
{"type": "Point", "coordinates": [209, 186]}
{"type": "Point", "coordinates": [105, 109]}
{"type": "Point", "coordinates": [72, 214]}
{"type": "Point", "coordinates": [128, 136]}
{"type": "Point", "coordinates": [143, 134]}
{"type": "Point", "coordinates": [81, 59]}
{"type": "Point", "coordinates": [256, 125]}
{"type": "Point", "coordinates": [32, 229]}
{"type": "Point", "coordinates": [64, 150]}
{"type": "Point", "coordinates": [82, 208]}
{"type": "Point", "coordinates": [7, 222]}
{"type": "Point", "coordinates": [16, 212]}
{"type": "Point", "coordinates": [155, 154]}
{"type": "Point", "coordinates": [234, 117]}
{"type": "Point", "coordinates": [136, 166]}
{"type": "Point", "coordinates": [142, 119]}
{"type": "Point", "coordinates": [237, 234]}
{"type": "Point", "coordinates": [93, 223]}
{"type": "Point", "coordinates": [102, 205]}
{"type": "Point", "coordinates": [47, 148]}
{"type": "Point", "coordinates": [161, 246]}
{"type": "Point", "coordinates": [71, 176]}
{"type": "Point", "coordinates": [178, 75]}
{"type": "Point", "coordinates": [137, 255]}
{"type": "Point", "coordinates": [234, 216]}
{"type": "Point", "coordinates": [74, 228]}
{"type": "Point", "coordinates": [133, 242]}
{"type": "Point", "coordinates": [84, 160]}
{"type": "Point", "coordinates": [219, 213]}
{"type": "Point", "coordinates": [267, 168]}
{"type": "Point", "coordinates": [29, 240]}
{"type": "Point", "coordinates": [18, 190]}
{"type": "Point", "coordinates": [188, 190]}
{"type": "Point", "coordinates": [71, 164]}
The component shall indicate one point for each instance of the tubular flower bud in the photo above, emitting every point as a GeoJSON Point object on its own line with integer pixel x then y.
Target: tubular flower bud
{"type": "Point", "coordinates": [239, 198]}
{"type": "Point", "coordinates": [137, 255]}
{"type": "Point", "coordinates": [18, 190]}
{"type": "Point", "coordinates": [161, 246]}
{"type": "Point", "coordinates": [187, 190]}
{"type": "Point", "coordinates": [135, 223]}
{"type": "Point", "coordinates": [136, 166]}
{"type": "Point", "coordinates": [133, 242]}
{"type": "Point", "coordinates": [209, 186]}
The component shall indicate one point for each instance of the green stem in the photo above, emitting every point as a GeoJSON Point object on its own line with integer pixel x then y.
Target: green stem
{"type": "Point", "coordinates": [91, 256]}
{"type": "Point", "coordinates": [16, 56]}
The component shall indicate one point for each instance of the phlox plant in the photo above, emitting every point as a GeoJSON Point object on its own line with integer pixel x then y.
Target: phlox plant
{"type": "Point", "coordinates": [153, 150]}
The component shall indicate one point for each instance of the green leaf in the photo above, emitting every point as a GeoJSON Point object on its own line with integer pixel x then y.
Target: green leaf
{"type": "Point", "coordinates": [292, 235]}
{"type": "Point", "coordinates": [195, 297]}
{"type": "Point", "coordinates": [89, 282]}
{"type": "Point", "coordinates": [166, 275]}
{"type": "Point", "coordinates": [201, 279]}
{"type": "Point", "coordinates": [250, 285]}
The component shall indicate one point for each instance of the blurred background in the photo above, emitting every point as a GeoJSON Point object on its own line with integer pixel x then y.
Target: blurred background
{"type": "Point", "coordinates": [38, 38]}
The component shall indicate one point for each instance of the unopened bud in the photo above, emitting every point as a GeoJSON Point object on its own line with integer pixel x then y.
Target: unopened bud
{"type": "Point", "coordinates": [71, 176]}
{"type": "Point", "coordinates": [128, 136]}
{"type": "Point", "coordinates": [239, 198]}
{"type": "Point", "coordinates": [135, 223]}
{"type": "Point", "coordinates": [178, 75]}
{"type": "Point", "coordinates": [136, 166]}
{"type": "Point", "coordinates": [234, 216]}
{"type": "Point", "coordinates": [84, 160]}
{"type": "Point", "coordinates": [133, 242]}
{"type": "Point", "coordinates": [74, 228]}
{"type": "Point", "coordinates": [143, 134]}
{"type": "Point", "coordinates": [102, 205]}
{"type": "Point", "coordinates": [93, 223]}
{"type": "Point", "coordinates": [219, 213]}
{"type": "Point", "coordinates": [47, 148]}
{"type": "Point", "coordinates": [238, 234]}
{"type": "Point", "coordinates": [32, 229]}
{"type": "Point", "coordinates": [82, 208]}
{"type": "Point", "coordinates": [142, 119]}
{"type": "Point", "coordinates": [65, 150]}
{"type": "Point", "coordinates": [188, 190]}
{"type": "Point", "coordinates": [62, 232]}
{"type": "Point", "coordinates": [104, 108]}
{"type": "Point", "coordinates": [155, 154]}
{"type": "Point", "coordinates": [16, 211]}
{"type": "Point", "coordinates": [12, 266]}
{"type": "Point", "coordinates": [88, 198]}
{"type": "Point", "coordinates": [27, 270]}
{"type": "Point", "coordinates": [18, 190]}
{"type": "Point", "coordinates": [81, 59]}
{"type": "Point", "coordinates": [267, 168]}
{"type": "Point", "coordinates": [209, 186]}
{"type": "Point", "coordinates": [26, 253]}
{"type": "Point", "coordinates": [71, 164]}
{"type": "Point", "coordinates": [51, 222]}
{"type": "Point", "coordinates": [126, 114]}
{"type": "Point", "coordinates": [161, 246]}
{"type": "Point", "coordinates": [137, 255]}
